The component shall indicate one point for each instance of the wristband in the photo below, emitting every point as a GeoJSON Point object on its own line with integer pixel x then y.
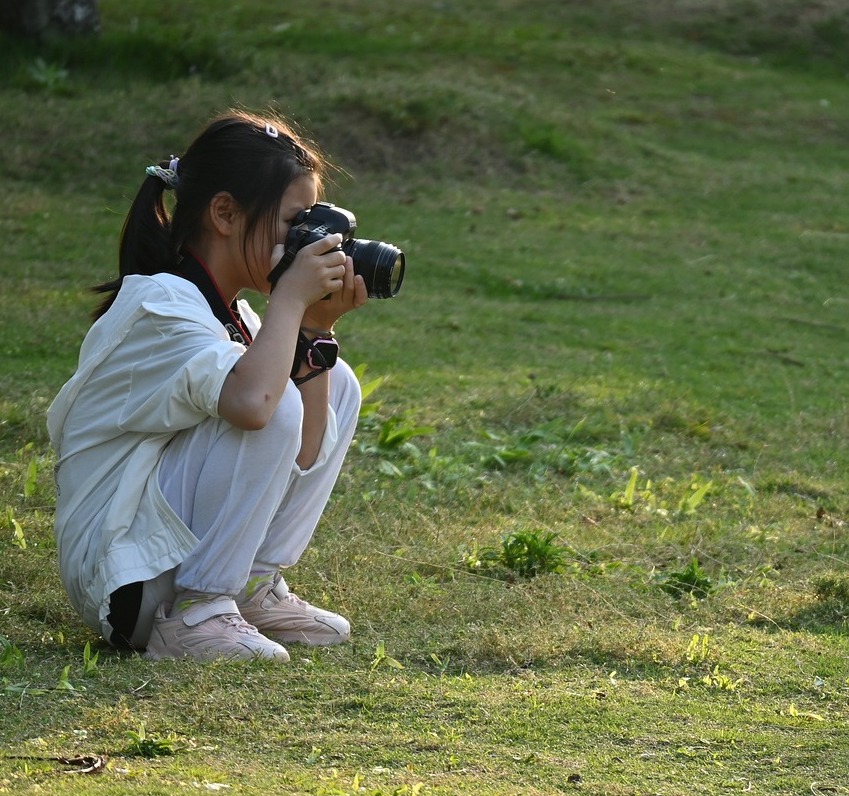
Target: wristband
{"type": "Point", "coordinates": [318, 355]}
{"type": "Point", "coordinates": [322, 353]}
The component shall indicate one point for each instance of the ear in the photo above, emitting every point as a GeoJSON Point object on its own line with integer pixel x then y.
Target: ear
{"type": "Point", "coordinates": [224, 213]}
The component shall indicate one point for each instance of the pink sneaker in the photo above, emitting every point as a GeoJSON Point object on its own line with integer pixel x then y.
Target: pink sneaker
{"type": "Point", "coordinates": [285, 617]}
{"type": "Point", "coordinates": [207, 630]}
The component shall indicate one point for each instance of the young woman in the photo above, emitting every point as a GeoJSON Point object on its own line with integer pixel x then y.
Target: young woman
{"type": "Point", "coordinates": [197, 448]}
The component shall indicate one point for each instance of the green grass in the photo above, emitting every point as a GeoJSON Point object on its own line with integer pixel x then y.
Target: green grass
{"type": "Point", "coordinates": [616, 378]}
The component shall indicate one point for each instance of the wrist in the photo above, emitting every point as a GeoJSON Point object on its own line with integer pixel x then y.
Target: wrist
{"type": "Point", "coordinates": [316, 332]}
{"type": "Point", "coordinates": [300, 370]}
{"type": "Point", "coordinates": [287, 304]}
{"type": "Point", "coordinates": [313, 323]}
{"type": "Point", "coordinates": [310, 375]}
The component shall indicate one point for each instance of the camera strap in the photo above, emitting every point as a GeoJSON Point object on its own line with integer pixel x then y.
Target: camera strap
{"type": "Point", "coordinates": [192, 269]}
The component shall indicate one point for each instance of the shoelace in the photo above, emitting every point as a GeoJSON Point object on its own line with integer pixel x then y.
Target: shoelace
{"type": "Point", "coordinates": [239, 624]}
{"type": "Point", "coordinates": [293, 598]}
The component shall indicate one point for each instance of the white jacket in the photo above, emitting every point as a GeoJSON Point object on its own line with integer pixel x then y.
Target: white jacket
{"type": "Point", "coordinates": [153, 365]}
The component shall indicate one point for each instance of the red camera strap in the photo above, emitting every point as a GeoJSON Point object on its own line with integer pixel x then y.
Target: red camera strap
{"type": "Point", "coordinates": [194, 270]}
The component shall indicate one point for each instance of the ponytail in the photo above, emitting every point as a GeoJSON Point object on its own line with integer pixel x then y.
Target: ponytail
{"type": "Point", "coordinates": [145, 246]}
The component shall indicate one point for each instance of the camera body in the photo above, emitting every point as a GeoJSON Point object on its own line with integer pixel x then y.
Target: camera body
{"type": "Point", "coordinates": [380, 264]}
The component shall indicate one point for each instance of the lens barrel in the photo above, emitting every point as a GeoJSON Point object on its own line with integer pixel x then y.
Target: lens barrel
{"type": "Point", "coordinates": [380, 264]}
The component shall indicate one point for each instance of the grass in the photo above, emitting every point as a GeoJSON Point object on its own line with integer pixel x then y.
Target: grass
{"type": "Point", "coordinates": [616, 376]}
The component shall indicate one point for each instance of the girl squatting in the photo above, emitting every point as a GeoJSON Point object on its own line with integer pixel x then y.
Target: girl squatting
{"type": "Point", "coordinates": [197, 446]}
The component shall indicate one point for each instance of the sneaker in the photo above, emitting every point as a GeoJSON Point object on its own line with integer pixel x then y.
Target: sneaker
{"type": "Point", "coordinates": [285, 617]}
{"type": "Point", "coordinates": [207, 630]}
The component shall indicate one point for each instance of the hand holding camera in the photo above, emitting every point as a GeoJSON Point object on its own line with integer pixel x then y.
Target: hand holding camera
{"type": "Point", "coordinates": [381, 265]}
{"type": "Point", "coordinates": [352, 295]}
{"type": "Point", "coordinates": [318, 271]}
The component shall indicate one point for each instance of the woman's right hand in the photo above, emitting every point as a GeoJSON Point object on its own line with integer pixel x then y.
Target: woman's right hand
{"type": "Point", "coordinates": [253, 388]}
{"type": "Point", "coordinates": [317, 270]}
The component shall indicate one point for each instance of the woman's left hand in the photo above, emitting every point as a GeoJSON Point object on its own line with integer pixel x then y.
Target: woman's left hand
{"type": "Point", "coordinates": [324, 313]}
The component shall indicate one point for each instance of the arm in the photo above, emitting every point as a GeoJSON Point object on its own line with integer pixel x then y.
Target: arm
{"type": "Point", "coordinates": [323, 314]}
{"type": "Point", "coordinates": [256, 383]}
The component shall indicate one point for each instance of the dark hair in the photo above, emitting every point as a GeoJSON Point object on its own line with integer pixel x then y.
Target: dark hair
{"type": "Point", "coordinates": [253, 158]}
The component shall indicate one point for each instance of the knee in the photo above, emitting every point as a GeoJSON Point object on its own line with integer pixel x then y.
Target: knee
{"type": "Point", "coordinates": [345, 392]}
{"type": "Point", "coordinates": [287, 420]}
{"type": "Point", "coordinates": [279, 440]}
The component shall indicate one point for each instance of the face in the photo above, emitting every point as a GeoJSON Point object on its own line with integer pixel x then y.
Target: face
{"type": "Point", "coordinates": [300, 195]}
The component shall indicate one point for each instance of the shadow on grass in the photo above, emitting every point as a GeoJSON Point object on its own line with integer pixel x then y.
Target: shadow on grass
{"type": "Point", "coordinates": [829, 614]}
{"type": "Point", "coordinates": [821, 610]}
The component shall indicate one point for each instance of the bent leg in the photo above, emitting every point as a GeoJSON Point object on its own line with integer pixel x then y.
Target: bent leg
{"type": "Point", "coordinates": [226, 484]}
{"type": "Point", "coordinates": [244, 497]}
{"type": "Point", "coordinates": [297, 516]}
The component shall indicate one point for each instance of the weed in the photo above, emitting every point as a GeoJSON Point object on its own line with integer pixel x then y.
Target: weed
{"type": "Point", "coordinates": [627, 499]}
{"type": "Point", "coordinates": [382, 658]}
{"type": "Point", "coordinates": [33, 466]}
{"type": "Point", "coordinates": [89, 660]}
{"type": "Point", "coordinates": [442, 665]}
{"type": "Point", "coordinates": [19, 538]}
{"type": "Point", "coordinates": [420, 581]}
{"type": "Point", "coordinates": [64, 683]}
{"type": "Point", "coordinates": [691, 580]}
{"type": "Point", "coordinates": [694, 497]}
{"type": "Point", "coordinates": [659, 498]}
{"type": "Point", "coordinates": [397, 432]}
{"type": "Point", "coordinates": [544, 450]}
{"type": "Point", "coordinates": [368, 407]}
{"type": "Point", "coordinates": [590, 461]}
{"type": "Point", "coordinates": [11, 657]}
{"type": "Point", "coordinates": [531, 553]}
{"type": "Point", "coordinates": [502, 456]}
{"type": "Point", "coordinates": [394, 437]}
{"type": "Point", "coordinates": [143, 745]}
{"type": "Point", "coordinates": [720, 682]}
{"type": "Point", "coordinates": [697, 649]}
{"type": "Point", "coordinates": [523, 553]}
{"type": "Point", "coordinates": [795, 713]}
{"type": "Point", "coordinates": [47, 77]}
{"type": "Point", "coordinates": [31, 479]}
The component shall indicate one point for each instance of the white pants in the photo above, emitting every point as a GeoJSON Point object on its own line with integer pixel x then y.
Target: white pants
{"type": "Point", "coordinates": [244, 497]}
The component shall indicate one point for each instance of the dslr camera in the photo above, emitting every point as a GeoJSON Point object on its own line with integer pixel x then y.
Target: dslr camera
{"type": "Point", "coordinates": [380, 264]}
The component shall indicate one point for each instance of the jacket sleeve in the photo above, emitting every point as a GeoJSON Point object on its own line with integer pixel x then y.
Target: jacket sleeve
{"type": "Point", "coordinates": [176, 365]}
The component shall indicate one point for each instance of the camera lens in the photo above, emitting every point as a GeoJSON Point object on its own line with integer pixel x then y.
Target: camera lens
{"type": "Point", "coordinates": [380, 264]}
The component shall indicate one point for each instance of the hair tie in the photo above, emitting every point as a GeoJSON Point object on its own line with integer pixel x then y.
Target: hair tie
{"type": "Point", "coordinates": [168, 176]}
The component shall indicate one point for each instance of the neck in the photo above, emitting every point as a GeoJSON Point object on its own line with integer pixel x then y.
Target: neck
{"type": "Point", "coordinates": [228, 293]}
{"type": "Point", "coordinates": [227, 283]}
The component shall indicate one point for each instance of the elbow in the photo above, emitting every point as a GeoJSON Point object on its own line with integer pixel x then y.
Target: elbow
{"type": "Point", "coordinates": [250, 423]}
{"type": "Point", "coordinates": [249, 415]}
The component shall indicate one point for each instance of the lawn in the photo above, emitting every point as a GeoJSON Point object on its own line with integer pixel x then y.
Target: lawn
{"type": "Point", "coordinates": [591, 535]}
